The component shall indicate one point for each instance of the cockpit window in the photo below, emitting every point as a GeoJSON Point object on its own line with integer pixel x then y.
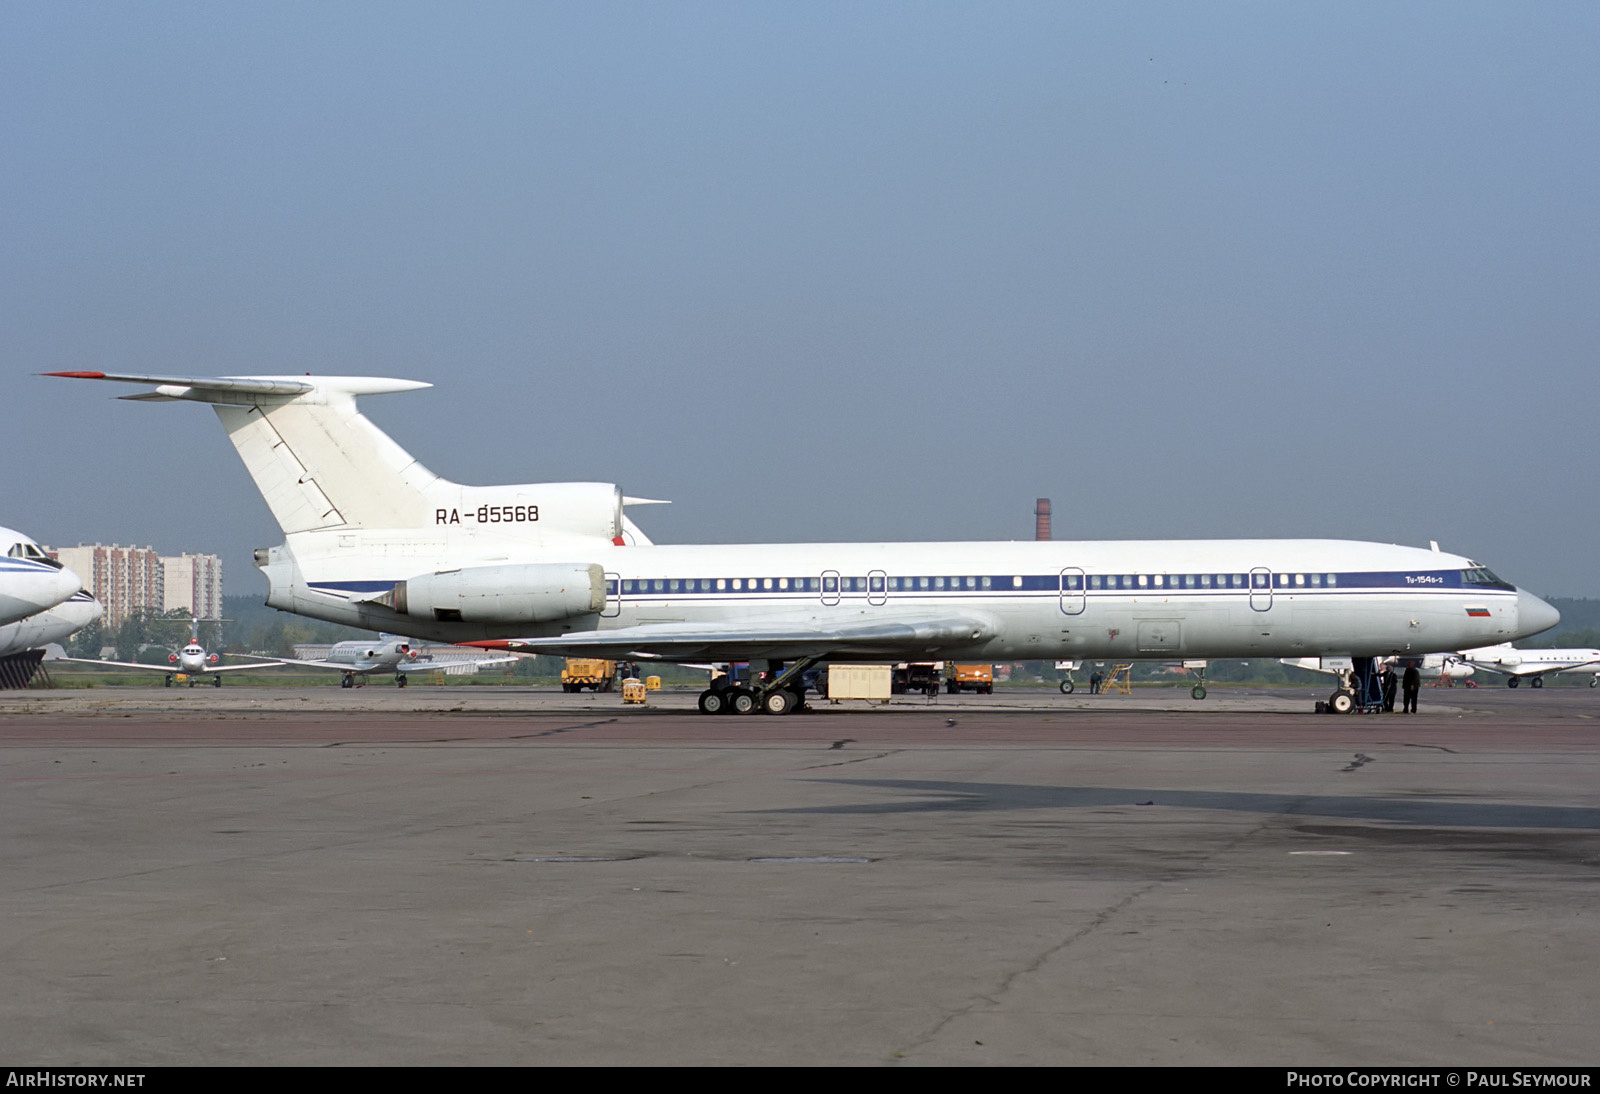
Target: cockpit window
{"type": "Point", "coordinates": [1483, 576]}
{"type": "Point", "coordinates": [24, 549]}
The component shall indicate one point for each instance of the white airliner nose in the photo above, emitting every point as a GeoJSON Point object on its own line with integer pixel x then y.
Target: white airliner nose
{"type": "Point", "coordinates": [65, 584]}
{"type": "Point", "coordinates": [36, 591]}
{"type": "Point", "coordinates": [79, 613]}
{"type": "Point", "coordinates": [1533, 614]}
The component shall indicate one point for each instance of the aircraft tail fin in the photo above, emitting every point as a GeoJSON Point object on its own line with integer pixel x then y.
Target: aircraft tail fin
{"type": "Point", "coordinates": [317, 461]}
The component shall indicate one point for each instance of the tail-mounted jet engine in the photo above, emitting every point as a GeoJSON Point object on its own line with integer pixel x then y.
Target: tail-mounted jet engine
{"type": "Point", "coordinates": [532, 593]}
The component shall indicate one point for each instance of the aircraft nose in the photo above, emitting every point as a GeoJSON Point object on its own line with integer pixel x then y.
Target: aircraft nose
{"type": "Point", "coordinates": [64, 583]}
{"type": "Point", "coordinates": [1533, 614]}
{"type": "Point", "coordinates": [82, 612]}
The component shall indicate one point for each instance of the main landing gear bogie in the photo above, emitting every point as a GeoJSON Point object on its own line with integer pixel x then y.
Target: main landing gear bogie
{"type": "Point", "coordinates": [785, 693]}
{"type": "Point", "coordinates": [742, 700]}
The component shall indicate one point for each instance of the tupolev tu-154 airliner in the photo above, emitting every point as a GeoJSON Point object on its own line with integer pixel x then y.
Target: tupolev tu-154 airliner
{"type": "Point", "coordinates": [373, 539]}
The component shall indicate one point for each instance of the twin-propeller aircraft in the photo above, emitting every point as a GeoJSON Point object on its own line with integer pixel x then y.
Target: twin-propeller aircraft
{"type": "Point", "coordinates": [375, 540]}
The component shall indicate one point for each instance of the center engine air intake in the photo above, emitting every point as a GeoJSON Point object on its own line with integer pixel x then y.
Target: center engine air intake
{"type": "Point", "coordinates": [533, 593]}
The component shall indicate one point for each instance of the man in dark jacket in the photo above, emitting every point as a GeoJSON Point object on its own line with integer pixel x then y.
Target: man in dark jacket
{"type": "Point", "coordinates": [1411, 684]}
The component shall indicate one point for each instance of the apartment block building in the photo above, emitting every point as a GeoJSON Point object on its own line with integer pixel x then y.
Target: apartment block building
{"type": "Point", "coordinates": [125, 579]}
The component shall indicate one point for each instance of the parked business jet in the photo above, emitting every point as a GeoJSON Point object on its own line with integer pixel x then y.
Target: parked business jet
{"type": "Point", "coordinates": [191, 661]}
{"type": "Point", "coordinates": [388, 654]}
{"type": "Point", "coordinates": [22, 643]}
{"type": "Point", "coordinates": [1533, 665]}
{"type": "Point", "coordinates": [30, 580]}
{"type": "Point", "coordinates": [375, 540]}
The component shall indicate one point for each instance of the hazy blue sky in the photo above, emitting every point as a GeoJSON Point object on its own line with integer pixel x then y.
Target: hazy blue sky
{"type": "Point", "coordinates": [827, 271]}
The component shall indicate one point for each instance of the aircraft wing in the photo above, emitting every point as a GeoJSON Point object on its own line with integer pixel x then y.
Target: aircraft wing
{"type": "Point", "coordinates": [1531, 673]}
{"type": "Point", "coordinates": [1523, 672]}
{"type": "Point", "coordinates": [251, 665]}
{"type": "Point", "coordinates": [172, 668]}
{"type": "Point", "coordinates": [440, 666]}
{"type": "Point", "coordinates": [679, 642]}
{"type": "Point", "coordinates": [338, 666]}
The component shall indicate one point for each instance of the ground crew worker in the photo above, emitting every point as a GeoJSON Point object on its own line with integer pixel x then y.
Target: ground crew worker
{"type": "Point", "coordinates": [1410, 685]}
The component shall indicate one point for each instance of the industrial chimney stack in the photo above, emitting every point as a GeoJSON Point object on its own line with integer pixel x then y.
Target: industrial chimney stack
{"type": "Point", "coordinates": [1041, 519]}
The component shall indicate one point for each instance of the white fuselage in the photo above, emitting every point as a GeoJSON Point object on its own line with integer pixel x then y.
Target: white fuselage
{"type": "Point", "coordinates": [192, 659]}
{"type": "Point", "coordinates": [370, 657]}
{"type": "Point", "coordinates": [52, 625]}
{"type": "Point", "coordinates": [1177, 598]}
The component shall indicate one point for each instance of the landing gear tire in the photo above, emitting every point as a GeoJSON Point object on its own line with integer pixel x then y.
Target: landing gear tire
{"type": "Point", "coordinates": [1341, 702]}
{"type": "Point", "coordinates": [741, 700]}
{"type": "Point", "coordinates": [1536, 682]}
{"type": "Point", "coordinates": [1512, 682]}
{"type": "Point", "coordinates": [399, 680]}
{"type": "Point", "coordinates": [1067, 687]}
{"type": "Point", "coordinates": [216, 681]}
{"type": "Point", "coordinates": [169, 680]}
{"type": "Point", "coordinates": [347, 681]}
{"type": "Point", "coordinates": [780, 701]}
{"type": "Point", "coordinates": [1593, 680]}
{"type": "Point", "coordinates": [1199, 691]}
{"type": "Point", "coordinates": [713, 701]}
